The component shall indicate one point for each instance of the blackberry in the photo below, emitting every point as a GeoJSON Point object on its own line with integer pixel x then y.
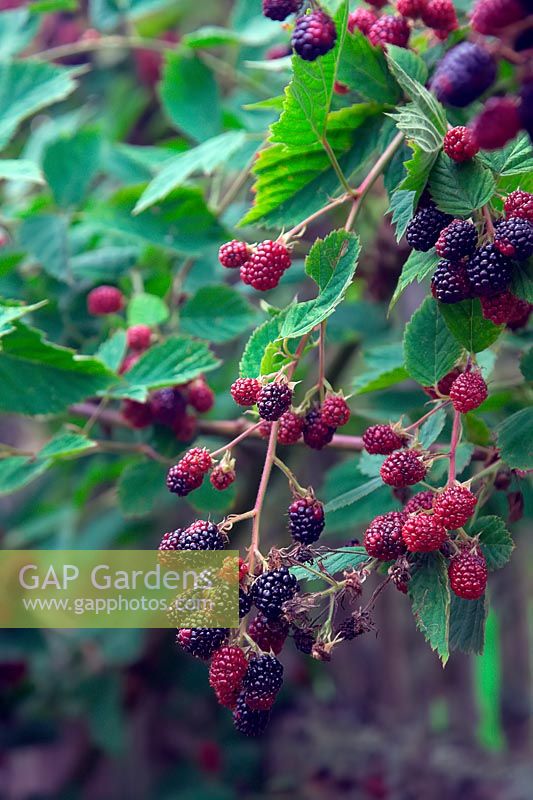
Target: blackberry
{"type": "Point", "coordinates": [226, 674]}
{"type": "Point", "coordinates": [269, 635]}
{"type": "Point", "coordinates": [185, 428]}
{"type": "Point", "coordinates": [450, 282]}
{"type": "Point", "coordinates": [402, 468]}
{"type": "Point", "coordinates": [362, 19]}
{"type": "Point", "coordinates": [468, 391]}
{"type": "Point", "coordinates": [314, 35]}
{"type": "Point", "coordinates": [498, 123]}
{"type": "Point", "coordinates": [468, 574]}
{"type": "Point", "coordinates": [139, 337]}
{"type": "Point", "coordinates": [444, 385]}
{"type": "Point", "coordinates": [201, 535]}
{"type": "Point", "coordinates": [200, 396]}
{"type": "Point", "coordinates": [271, 589]}
{"type": "Point", "coordinates": [525, 108]}
{"type": "Point", "coordinates": [425, 227]}
{"type": "Point", "coordinates": [266, 265]}
{"type": "Point", "coordinates": [411, 8]}
{"type": "Point", "coordinates": [139, 415]}
{"type": "Point", "coordinates": [454, 506]}
{"type": "Point", "coordinates": [104, 300]}
{"type": "Point", "coordinates": [459, 144]}
{"type": "Point", "coordinates": [181, 482]}
{"type": "Point", "coordinates": [383, 537]}
{"type": "Point", "coordinates": [290, 428]}
{"type": "Point", "coordinates": [382, 440]}
{"type": "Point", "coordinates": [264, 676]}
{"type": "Point", "coordinates": [221, 478]}
{"type": "Point", "coordinates": [166, 405]}
{"type": "Point", "coordinates": [423, 533]}
{"type": "Point", "coordinates": [306, 519]}
{"type": "Point", "coordinates": [201, 642]}
{"type": "Point", "coordinates": [335, 411]}
{"type": "Point", "coordinates": [233, 255]}
{"type": "Point", "coordinates": [273, 400]}
{"type": "Point", "coordinates": [280, 9]}
{"type": "Point", "coordinates": [245, 390]}
{"type": "Point", "coordinates": [519, 204]}
{"type": "Point", "coordinates": [317, 434]}
{"type": "Point", "coordinates": [490, 16]}
{"type": "Point", "coordinates": [390, 30]}
{"type": "Point", "coordinates": [457, 240]}
{"type": "Point", "coordinates": [248, 722]}
{"type": "Point", "coordinates": [440, 15]}
{"type": "Point", "coordinates": [465, 72]}
{"type": "Point", "coordinates": [514, 238]}
{"type": "Point", "coordinates": [489, 271]}
{"type": "Point", "coordinates": [419, 501]}
{"type": "Point", "coordinates": [502, 308]}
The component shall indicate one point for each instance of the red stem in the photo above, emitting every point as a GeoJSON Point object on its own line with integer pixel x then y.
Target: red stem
{"type": "Point", "coordinates": [237, 439]}
{"type": "Point", "coordinates": [456, 437]}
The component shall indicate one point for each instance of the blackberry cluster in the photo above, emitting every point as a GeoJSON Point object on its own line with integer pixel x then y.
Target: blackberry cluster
{"type": "Point", "coordinates": [201, 535]}
{"type": "Point", "coordinates": [314, 35]}
{"type": "Point", "coordinates": [262, 682]}
{"type": "Point", "coordinates": [306, 519]}
{"type": "Point", "coordinates": [460, 144]}
{"type": "Point", "coordinates": [271, 590]}
{"type": "Point", "coordinates": [425, 227]}
{"type": "Point", "coordinates": [265, 266]}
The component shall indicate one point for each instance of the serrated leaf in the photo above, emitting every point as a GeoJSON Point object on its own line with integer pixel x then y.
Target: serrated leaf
{"type": "Point", "coordinates": [70, 163]}
{"type": "Point", "coordinates": [45, 237]}
{"type": "Point", "coordinates": [494, 539]}
{"type": "Point", "coordinates": [217, 313]}
{"type": "Point", "coordinates": [385, 368]}
{"type": "Point", "coordinates": [20, 169]}
{"type": "Point", "coordinates": [141, 487]}
{"type": "Point", "coordinates": [147, 309]}
{"type": "Point", "coordinates": [460, 189]}
{"type": "Point", "coordinates": [467, 624]}
{"type": "Point", "coordinates": [190, 96]}
{"type": "Point", "coordinates": [333, 563]}
{"type": "Point", "coordinates": [515, 440]}
{"type": "Point", "coordinates": [364, 69]}
{"type": "Point", "coordinates": [427, 104]}
{"type": "Point", "coordinates": [429, 592]}
{"type": "Point", "coordinates": [19, 471]}
{"type": "Point", "coordinates": [303, 317]}
{"type": "Point", "coordinates": [353, 495]}
{"type": "Point", "coordinates": [402, 207]}
{"type": "Point", "coordinates": [65, 445]}
{"type": "Point", "coordinates": [466, 322]}
{"type": "Point", "coordinates": [17, 29]}
{"type": "Point", "coordinates": [418, 169]}
{"type": "Point", "coordinates": [342, 478]}
{"type": "Point", "coordinates": [418, 267]}
{"type": "Point", "coordinates": [515, 158]}
{"type": "Point", "coordinates": [112, 351]}
{"type": "Point", "coordinates": [430, 350]}
{"type": "Point", "coordinates": [259, 341]}
{"type": "Point", "coordinates": [410, 64]}
{"type": "Point", "coordinates": [411, 120]}
{"type": "Point", "coordinates": [431, 429]}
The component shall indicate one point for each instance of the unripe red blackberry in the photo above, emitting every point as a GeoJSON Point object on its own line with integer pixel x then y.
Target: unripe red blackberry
{"type": "Point", "coordinates": [468, 574]}
{"type": "Point", "coordinates": [266, 265]}
{"type": "Point", "coordinates": [490, 16]}
{"type": "Point", "coordinates": [489, 271]}
{"type": "Point", "coordinates": [185, 427]}
{"type": "Point", "coordinates": [290, 428]}
{"type": "Point", "coordinates": [314, 35]}
{"type": "Point", "coordinates": [459, 144]}
{"type": "Point", "coordinates": [245, 390]}
{"type": "Point", "coordinates": [390, 30]}
{"type": "Point", "coordinates": [269, 635]}
{"type": "Point", "coordinates": [226, 674]}
{"type": "Point", "coordinates": [280, 9]}
{"type": "Point", "coordinates": [104, 300]}
{"type": "Point", "coordinates": [317, 434]}
{"type": "Point", "coordinates": [233, 255]}
{"type": "Point", "coordinates": [440, 15]}
{"type": "Point", "coordinates": [423, 533]}
{"type": "Point", "coordinates": [335, 411]}
{"type": "Point", "coordinates": [382, 440]}
{"type": "Point", "coordinates": [306, 519]}
{"type": "Point", "coordinates": [502, 308]}
{"type": "Point", "coordinates": [465, 72]}
{"type": "Point", "coordinates": [201, 642]}
{"type": "Point", "coordinates": [139, 415]}
{"type": "Point", "coordinates": [498, 123]}
{"type": "Point", "coordinates": [521, 314]}
{"type": "Point", "coordinates": [419, 502]}
{"type": "Point", "coordinates": [262, 681]}
{"type": "Point", "coordinates": [454, 506]}
{"type": "Point", "coordinates": [514, 238]}
{"type": "Point", "coordinates": [411, 8]}
{"type": "Point", "coordinates": [198, 460]}
{"type": "Point", "coordinates": [457, 240]}
{"type": "Point", "coordinates": [362, 19]}
{"type": "Point", "coordinates": [273, 400]}
{"type": "Point", "coordinates": [450, 282]}
{"type": "Point", "coordinates": [247, 721]}
{"type": "Point", "coordinates": [271, 589]}
{"type": "Point", "coordinates": [519, 204]}
{"type": "Point", "coordinates": [200, 396]}
{"type": "Point", "coordinates": [222, 477]}
{"type": "Point", "coordinates": [139, 337]}
{"type": "Point", "coordinates": [167, 405]}
{"type": "Point", "coordinates": [383, 537]}
{"type": "Point", "coordinates": [425, 227]}
{"type": "Point", "coordinates": [468, 391]}
{"type": "Point", "coordinates": [402, 468]}
{"type": "Point", "coordinates": [201, 535]}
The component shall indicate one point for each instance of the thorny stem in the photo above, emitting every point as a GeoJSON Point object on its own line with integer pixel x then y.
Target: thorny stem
{"type": "Point", "coordinates": [267, 468]}
{"type": "Point", "coordinates": [312, 217]}
{"type": "Point", "coordinates": [456, 436]}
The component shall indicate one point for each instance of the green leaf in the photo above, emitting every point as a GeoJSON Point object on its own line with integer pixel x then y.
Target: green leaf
{"type": "Point", "coordinates": [104, 263]}
{"type": "Point", "coordinates": [70, 164]}
{"type": "Point", "coordinates": [515, 441]}
{"type": "Point", "coordinates": [342, 250]}
{"type": "Point", "coordinates": [364, 69]}
{"type": "Point", "coordinates": [207, 499]}
{"type": "Point", "coordinates": [65, 445]}
{"type": "Point", "coordinates": [147, 309]}
{"type": "Point", "coordinates": [263, 336]}
{"type": "Point", "coordinates": [45, 238]}
{"type": "Point", "coordinates": [333, 563]}
{"type": "Point", "coordinates": [20, 169]}
{"type": "Point", "coordinates": [178, 360]}
{"type": "Point", "coordinates": [385, 368]}
{"type": "Point", "coordinates": [205, 158]}
{"type": "Point", "coordinates": [401, 207]}
{"type": "Point", "coordinates": [460, 189]}
{"type": "Point", "coordinates": [515, 158]}
{"type": "Point", "coordinates": [412, 121]}
{"type": "Point", "coordinates": [431, 429]}
{"type": "Point", "coordinates": [417, 268]}
{"type": "Point", "coordinates": [418, 169]}
{"type": "Point", "coordinates": [17, 29]}
{"type": "Point", "coordinates": [494, 539]}
{"type": "Point", "coordinates": [18, 471]}
{"type": "Point", "coordinates": [522, 284]}
{"type": "Point", "coordinates": [526, 364]}
{"type": "Point", "coordinates": [467, 624]}
{"type": "Point", "coordinates": [342, 478]}
{"type": "Point", "coordinates": [9, 312]}
{"type": "Point", "coordinates": [26, 87]}
{"type": "Point", "coordinates": [466, 322]}
{"type": "Point", "coordinates": [428, 106]}
{"type": "Point", "coordinates": [38, 377]}
{"type": "Point", "coordinates": [429, 592]}
{"type": "Point", "coordinates": [410, 64]}
{"type": "Point", "coordinates": [353, 495]}
{"type": "Point", "coordinates": [190, 96]}
{"type": "Point", "coordinates": [141, 487]}
{"type": "Point", "coordinates": [430, 351]}
{"type": "Point", "coordinates": [112, 351]}
{"type": "Point", "coordinates": [217, 313]}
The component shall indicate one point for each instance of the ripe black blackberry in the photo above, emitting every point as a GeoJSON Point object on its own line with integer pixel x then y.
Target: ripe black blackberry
{"type": "Point", "coordinates": [170, 540]}
{"type": "Point", "coordinates": [273, 400]}
{"type": "Point", "coordinates": [271, 589]}
{"type": "Point", "coordinates": [425, 227]}
{"type": "Point", "coordinates": [245, 603]}
{"type": "Point", "coordinates": [456, 240]}
{"type": "Point", "coordinates": [306, 519]}
{"type": "Point", "coordinates": [201, 535]}
{"type": "Point", "coordinates": [514, 238]}
{"type": "Point", "coordinates": [317, 434]}
{"type": "Point", "coordinates": [314, 35]}
{"type": "Point", "coordinates": [280, 9]}
{"type": "Point", "coordinates": [489, 271]}
{"type": "Point", "coordinates": [251, 723]}
{"type": "Point", "coordinates": [264, 676]}
{"type": "Point", "coordinates": [450, 282]}
{"type": "Point", "coordinates": [201, 642]}
{"type": "Point", "coordinates": [465, 72]}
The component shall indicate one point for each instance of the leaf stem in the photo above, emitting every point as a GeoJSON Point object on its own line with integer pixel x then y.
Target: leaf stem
{"type": "Point", "coordinates": [336, 166]}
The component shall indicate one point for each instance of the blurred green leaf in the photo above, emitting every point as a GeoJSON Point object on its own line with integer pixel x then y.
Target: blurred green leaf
{"type": "Point", "coordinates": [190, 96]}
{"type": "Point", "coordinates": [147, 309]}
{"type": "Point", "coordinates": [217, 313]}
{"type": "Point", "coordinates": [70, 164]}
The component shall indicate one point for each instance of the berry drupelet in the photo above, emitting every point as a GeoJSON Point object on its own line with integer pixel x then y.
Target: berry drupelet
{"type": "Point", "coordinates": [425, 227]}
{"type": "Point", "coordinates": [273, 400]}
{"type": "Point", "coordinates": [314, 35]}
{"type": "Point", "coordinates": [245, 390]}
{"type": "Point", "coordinates": [382, 440]}
{"type": "Point", "coordinates": [514, 238]}
{"type": "Point", "coordinates": [271, 589]}
{"type": "Point", "coordinates": [423, 533]}
{"type": "Point", "coordinates": [306, 519]}
{"type": "Point", "coordinates": [104, 300]}
{"type": "Point", "coordinates": [201, 642]}
{"type": "Point", "coordinates": [280, 9]}
{"type": "Point", "coordinates": [489, 271]}
{"type": "Point", "coordinates": [317, 433]}
{"type": "Point", "coordinates": [269, 635]}
{"type": "Point", "coordinates": [390, 30]}
{"type": "Point", "coordinates": [457, 240]}
{"type": "Point", "coordinates": [450, 282]}
{"type": "Point", "coordinates": [233, 255]}
{"type": "Point", "coordinates": [335, 411]}
{"type": "Point", "coordinates": [226, 674]}
{"type": "Point", "coordinates": [402, 468]}
{"type": "Point", "coordinates": [460, 144]}
{"type": "Point", "coordinates": [468, 574]}
{"type": "Point", "coordinates": [465, 72]}
{"type": "Point", "coordinates": [383, 537]}
{"type": "Point", "coordinates": [266, 265]}
{"type": "Point", "coordinates": [454, 506]}
{"type": "Point", "coordinates": [468, 391]}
